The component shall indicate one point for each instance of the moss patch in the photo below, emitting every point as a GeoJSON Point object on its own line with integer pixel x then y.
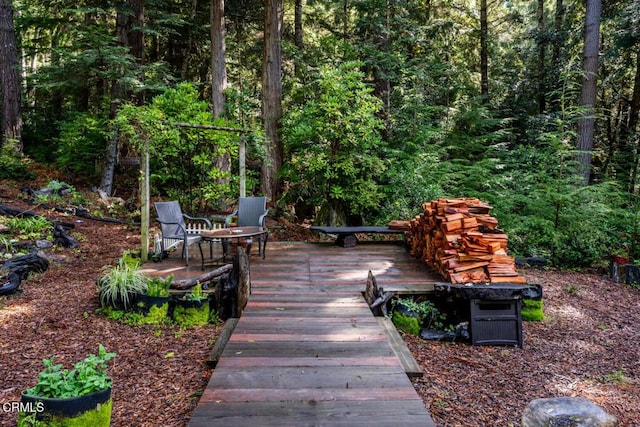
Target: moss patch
{"type": "Point", "coordinates": [532, 310]}
{"type": "Point", "coordinates": [407, 324]}
{"type": "Point", "coordinates": [157, 315]}
{"type": "Point", "coordinates": [99, 417]}
{"type": "Point", "coordinates": [191, 316]}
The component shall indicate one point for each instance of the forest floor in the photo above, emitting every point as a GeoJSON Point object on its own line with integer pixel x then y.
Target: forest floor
{"type": "Point", "coordinates": [588, 345]}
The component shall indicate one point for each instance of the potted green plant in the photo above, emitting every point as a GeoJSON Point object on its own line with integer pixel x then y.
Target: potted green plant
{"type": "Point", "coordinates": [77, 397]}
{"type": "Point", "coordinates": [154, 303]}
{"type": "Point", "coordinates": [411, 316]}
{"type": "Point", "coordinates": [119, 285]}
{"type": "Point", "coordinates": [192, 309]}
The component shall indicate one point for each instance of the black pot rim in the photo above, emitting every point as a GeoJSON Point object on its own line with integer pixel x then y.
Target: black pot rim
{"type": "Point", "coordinates": [70, 406]}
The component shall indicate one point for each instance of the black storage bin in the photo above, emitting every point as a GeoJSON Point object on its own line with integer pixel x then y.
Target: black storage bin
{"type": "Point", "coordinates": [495, 322]}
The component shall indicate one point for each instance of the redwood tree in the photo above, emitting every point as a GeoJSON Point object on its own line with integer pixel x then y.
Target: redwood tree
{"type": "Point", "coordinates": [272, 95]}
{"type": "Point", "coordinates": [11, 127]}
{"type": "Point", "coordinates": [588, 91]}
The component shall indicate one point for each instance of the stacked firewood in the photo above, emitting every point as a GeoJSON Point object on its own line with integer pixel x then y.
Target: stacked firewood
{"type": "Point", "coordinates": [460, 240]}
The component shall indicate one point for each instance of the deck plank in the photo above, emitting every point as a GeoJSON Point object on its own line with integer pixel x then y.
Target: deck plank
{"type": "Point", "coordinates": [307, 349]}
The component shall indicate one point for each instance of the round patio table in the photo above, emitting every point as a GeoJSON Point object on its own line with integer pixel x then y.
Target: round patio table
{"type": "Point", "coordinates": [237, 233]}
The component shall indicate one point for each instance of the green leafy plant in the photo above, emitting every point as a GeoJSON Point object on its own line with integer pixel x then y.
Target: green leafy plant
{"type": "Point", "coordinates": [34, 227]}
{"type": "Point", "coordinates": [159, 287]}
{"type": "Point", "coordinates": [428, 314]}
{"type": "Point", "coordinates": [87, 376]}
{"type": "Point", "coordinates": [196, 294]}
{"type": "Point", "coordinates": [119, 284]}
{"type": "Point", "coordinates": [12, 165]}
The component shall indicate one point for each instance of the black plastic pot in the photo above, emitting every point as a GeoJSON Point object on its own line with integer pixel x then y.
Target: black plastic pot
{"type": "Point", "coordinates": [145, 302]}
{"type": "Point", "coordinates": [70, 407]}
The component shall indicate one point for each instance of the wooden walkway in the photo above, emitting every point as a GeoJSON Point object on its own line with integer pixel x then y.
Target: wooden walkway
{"type": "Point", "coordinates": [307, 350]}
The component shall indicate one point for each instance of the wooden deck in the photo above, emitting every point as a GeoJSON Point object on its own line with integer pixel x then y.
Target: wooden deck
{"type": "Point", "coordinates": [307, 350]}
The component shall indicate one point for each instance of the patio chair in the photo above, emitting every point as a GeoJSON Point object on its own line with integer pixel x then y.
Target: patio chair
{"type": "Point", "coordinates": [251, 211]}
{"type": "Point", "coordinates": [179, 228]}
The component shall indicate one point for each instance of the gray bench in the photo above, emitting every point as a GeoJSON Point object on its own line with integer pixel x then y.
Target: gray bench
{"type": "Point", "coordinates": [347, 235]}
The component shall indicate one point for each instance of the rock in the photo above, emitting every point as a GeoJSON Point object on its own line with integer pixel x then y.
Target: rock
{"type": "Point", "coordinates": [566, 412]}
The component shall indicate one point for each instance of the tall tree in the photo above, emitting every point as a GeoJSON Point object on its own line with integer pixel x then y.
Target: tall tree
{"type": "Point", "coordinates": [542, 43]}
{"type": "Point", "coordinates": [272, 95]}
{"type": "Point", "coordinates": [484, 52]}
{"type": "Point", "coordinates": [586, 123]}
{"type": "Point", "coordinates": [11, 127]}
{"type": "Point", "coordinates": [218, 60]}
{"type": "Point", "coordinates": [219, 78]}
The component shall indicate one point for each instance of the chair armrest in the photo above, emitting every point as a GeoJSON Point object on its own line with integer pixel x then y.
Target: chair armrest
{"type": "Point", "coordinates": [227, 220]}
{"type": "Point", "coordinates": [261, 219]}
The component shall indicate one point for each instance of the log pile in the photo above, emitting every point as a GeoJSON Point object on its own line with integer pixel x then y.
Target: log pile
{"type": "Point", "coordinates": [460, 240]}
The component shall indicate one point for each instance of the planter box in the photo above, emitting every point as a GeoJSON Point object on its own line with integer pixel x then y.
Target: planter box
{"type": "Point", "coordinates": [92, 409]}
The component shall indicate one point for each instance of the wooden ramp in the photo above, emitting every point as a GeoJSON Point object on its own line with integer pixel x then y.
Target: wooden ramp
{"type": "Point", "coordinates": [307, 351]}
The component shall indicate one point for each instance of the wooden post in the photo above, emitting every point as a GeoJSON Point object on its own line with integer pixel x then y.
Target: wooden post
{"type": "Point", "coordinates": [144, 203]}
{"type": "Point", "coordinates": [242, 167]}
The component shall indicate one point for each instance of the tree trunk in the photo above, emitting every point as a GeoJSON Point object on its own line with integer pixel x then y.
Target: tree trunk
{"type": "Point", "coordinates": [11, 127]}
{"type": "Point", "coordinates": [588, 91]}
{"type": "Point", "coordinates": [218, 59]}
{"type": "Point", "coordinates": [632, 124]}
{"type": "Point", "coordinates": [298, 37]}
{"type": "Point", "coordinates": [558, 42]}
{"type": "Point", "coordinates": [541, 57]}
{"type": "Point", "coordinates": [219, 77]}
{"type": "Point", "coordinates": [484, 52]}
{"type": "Point", "coordinates": [272, 96]}
{"type": "Point", "coordinates": [136, 41]}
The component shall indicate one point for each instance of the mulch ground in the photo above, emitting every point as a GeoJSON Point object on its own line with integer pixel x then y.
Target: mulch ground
{"type": "Point", "coordinates": [588, 345]}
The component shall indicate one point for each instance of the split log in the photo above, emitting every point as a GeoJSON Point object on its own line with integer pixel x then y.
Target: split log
{"type": "Point", "coordinates": [203, 278]}
{"type": "Point", "coordinates": [458, 239]}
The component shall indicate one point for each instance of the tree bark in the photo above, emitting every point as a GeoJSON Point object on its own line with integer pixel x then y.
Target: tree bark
{"type": "Point", "coordinates": [484, 52]}
{"type": "Point", "coordinates": [218, 58]}
{"type": "Point", "coordinates": [588, 91]}
{"type": "Point", "coordinates": [219, 77]}
{"type": "Point", "coordinates": [632, 124]}
{"type": "Point", "coordinates": [541, 57]}
{"type": "Point", "coordinates": [298, 37]}
{"type": "Point", "coordinates": [11, 126]}
{"type": "Point", "coordinates": [272, 96]}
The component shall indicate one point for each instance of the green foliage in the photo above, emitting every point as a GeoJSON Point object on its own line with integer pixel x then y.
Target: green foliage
{"type": "Point", "coordinates": [407, 324]}
{"type": "Point", "coordinates": [119, 283]}
{"type": "Point", "coordinates": [29, 228]}
{"type": "Point", "coordinates": [155, 315]}
{"type": "Point", "coordinates": [159, 287]}
{"type": "Point", "coordinates": [12, 165]}
{"type": "Point", "coordinates": [88, 376]}
{"type": "Point", "coordinates": [532, 310]}
{"type": "Point", "coordinates": [182, 160]}
{"type": "Point", "coordinates": [333, 140]}
{"type": "Point", "coordinates": [81, 144]}
{"type": "Point", "coordinates": [196, 294]}
{"type": "Point", "coordinates": [427, 313]}
{"type": "Point", "coordinates": [191, 315]}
